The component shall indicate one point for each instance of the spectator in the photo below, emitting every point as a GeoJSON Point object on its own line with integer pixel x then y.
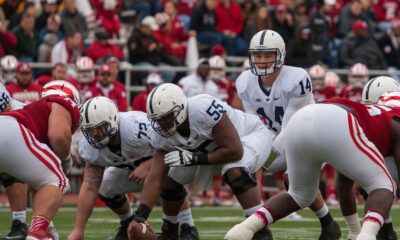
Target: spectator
{"type": "Point", "coordinates": [144, 50]}
{"type": "Point", "coordinates": [28, 39]}
{"type": "Point", "coordinates": [302, 51]}
{"type": "Point", "coordinates": [50, 8]}
{"type": "Point", "coordinates": [58, 72]}
{"type": "Point", "coordinates": [390, 44]}
{"type": "Point", "coordinates": [204, 22]}
{"type": "Point", "coordinates": [328, 12]}
{"type": "Point", "coordinates": [177, 29]}
{"type": "Point", "coordinates": [282, 22]}
{"type": "Point", "coordinates": [12, 7]}
{"type": "Point", "coordinates": [24, 90]}
{"type": "Point", "coordinates": [15, 20]}
{"type": "Point", "coordinates": [181, 10]}
{"type": "Point", "coordinates": [152, 81]}
{"type": "Point", "coordinates": [249, 10]}
{"type": "Point", "coordinates": [230, 24]}
{"type": "Point", "coordinates": [359, 46]}
{"type": "Point", "coordinates": [171, 42]}
{"type": "Point", "coordinates": [300, 15]}
{"type": "Point", "coordinates": [72, 20]}
{"type": "Point", "coordinates": [259, 21]}
{"type": "Point", "coordinates": [8, 41]}
{"type": "Point", "coordinates": [69, 49]}
{"type": "Point", "coordinates": [146, 7]}
{"type": "Point", "coordinates": [115, 65]}
{"type": "Point", "coordinates": [106, 15]}
{"type": "Point", "coordinates": [386, 11]}
{"type": "Point", "coordinates": [101, 47]}
{"type": "Point", "coordinates": [105, 87]}
{"type": "Point", "coordinates": [199, 82]}
{"type": "Point", "coordinates": [52, 27]}
{"type": "Point", "coordinates": [350, 13]}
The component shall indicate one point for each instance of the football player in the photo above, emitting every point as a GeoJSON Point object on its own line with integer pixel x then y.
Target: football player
{"type": "Point", "coordinates": [195, 138]}
{"type": "Point", "coordinates": [358, 77]}
{"type": "Point", "coordinates": [274, 92]}
{"type": "Point", "coordinates": [117, 155]}
{"type": "Point", "coordinates": [8, 67]}
{"type": "Point", "coordinates": [357, 139]}
{"type": "Point", "coordinates": [372, 92]}
{"type": "Point", "coordinates": [42, 130]}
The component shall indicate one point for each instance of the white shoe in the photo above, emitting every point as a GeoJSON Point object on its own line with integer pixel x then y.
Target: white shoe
{"type": "Point", "coordinates": [239, 233]}
{"type": "Point", "coordinates": [294, 216]}
{"type": "Point", "coordinates": [363, 236]}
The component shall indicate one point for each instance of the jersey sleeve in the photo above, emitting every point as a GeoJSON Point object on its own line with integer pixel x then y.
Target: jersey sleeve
{"type": "Point", "coordinates": [241, 86]}
{"type": "Point", "coordinates": [208, 112]}
{"type": "Point", "coordinates": [302, 86]}
{"type": "Point", "coordinates": [135, 135]}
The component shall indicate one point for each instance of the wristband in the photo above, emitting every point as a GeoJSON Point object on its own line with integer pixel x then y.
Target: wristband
{"type": "Point", "coordinates": [201, 159]}
{"type": "Point", "coordinates": [143, 211]}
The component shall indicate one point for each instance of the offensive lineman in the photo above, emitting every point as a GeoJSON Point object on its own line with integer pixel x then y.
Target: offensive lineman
{"type": "Point", "coordinates": [117, 154]}
{"type": "Point", "coordinates": [275, 92]}
{"type": "Point", "coordinates": [195, 138]}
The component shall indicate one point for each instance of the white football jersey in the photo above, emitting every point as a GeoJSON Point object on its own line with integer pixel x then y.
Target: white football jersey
{"type": "Point", "coordinates": [270, 105]}
{"type": "Point", "coordinates": [193, 85]}
{"type": "Point", "coordinates": [135, 147]}
{"type": "Point", "coordinates": [204, 112]}
{"type": "Point", "coordinates": [17, 104]}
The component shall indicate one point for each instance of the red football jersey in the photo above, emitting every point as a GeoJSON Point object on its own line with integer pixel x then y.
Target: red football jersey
{"type": "Point", "coordinates": [226, 90]}
{"type": "Point", "coordinates": [83, 88]}
{"type": "Point", "coordinates": [35, 115]}
{"type": "Point", "coordinates": [353, 94]}
{"type": "Point", "coordinates": [326, 93]}
{"type": "Point", "coordinates": [375, 120]}
{"type": "Point", "coordinates": [114, 93]}
{"type": "Point", "coordinates": [26, 94]}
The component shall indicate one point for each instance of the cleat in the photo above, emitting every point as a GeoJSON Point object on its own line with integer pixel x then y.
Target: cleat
{"type": "Point", "coordinates": [330, 232]}
{"type": "Point", "coordinates": [18, 231]}
{"type": "Point", "coordinates": [263, 234]}
{"type": "Point", "coordinates": [386, 233]}
{"type": "Point", "coordinates": [122, 232]}
{"type": "Point", "coordinates": [188, 232]}
{"type": "Point", "coordinates": [169, 231]}
{"type": "Point", "coordinates": [39, 235]}
{"type": "Point", "coordinates": [294, 216]}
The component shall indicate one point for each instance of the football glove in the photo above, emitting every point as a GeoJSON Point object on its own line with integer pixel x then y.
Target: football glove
{"type": "Point", "coordinates": [182, 157]}
{"type": "Point", "coordinates": [66, 165]}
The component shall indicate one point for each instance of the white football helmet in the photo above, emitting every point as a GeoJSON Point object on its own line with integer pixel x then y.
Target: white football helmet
{"type": "Point", "coordinates": [262, 42]}
{"type": "Point", "coordinates": [166, 108]}
{"type": "Point", "coordinates": [376, 87]}
{"type": "Point", "coordinates": [85, 70]}
{"type": "Point", "coordinates": [8, 67]}
{"type": "Point", "coordinates": [100, 121]}
{"type": "Point", "coordinates": [391, 99]}
{"type": "Point", "coordinates": [61, 88]}
{"type": "Point", "coordinates": [317, 73]}
{"type": "Point", "coordinates": [358, 75]}
{"type": "Point", "coordinates": [217, 67]}
{"type": "Point", "coordinates": [5, 98]}
{"type": "Point", "coordinates": [332, 79]}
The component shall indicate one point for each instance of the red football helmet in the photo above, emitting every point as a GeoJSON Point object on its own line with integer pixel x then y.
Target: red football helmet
{"type": "Point", "coordinates": [61, 88]}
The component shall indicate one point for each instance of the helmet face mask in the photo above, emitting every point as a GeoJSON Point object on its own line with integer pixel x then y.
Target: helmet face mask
{"type": "Point", "coordinates": [266, 53]}
{"type": "Point", "coordinates": [99, 135]}
{"type": "Point", "coordinates": [167, 125]}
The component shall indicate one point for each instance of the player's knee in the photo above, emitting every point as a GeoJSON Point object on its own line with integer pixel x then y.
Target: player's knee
{"type": "Point", "coordinates": [174, 193]}
{"type": "Point", "coordinates": [8, 180]}
{"type": "Point", "coordinates": [114, 202]}
{"type": "Point", "coordinates": [303, 200]}
{"type": "Point", "coordinates": [239, 180]}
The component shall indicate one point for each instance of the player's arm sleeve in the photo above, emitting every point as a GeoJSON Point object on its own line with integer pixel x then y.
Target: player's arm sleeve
{"type": "Point", "coordinates": [396, 144]}
{"type": "Point", "coordinates": [294, 105]}
{"type": "Point", "coordinates": [241, 92]}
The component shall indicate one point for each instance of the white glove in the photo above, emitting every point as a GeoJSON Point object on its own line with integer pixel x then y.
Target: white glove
{"type": "Point", "coordinates": [66, 165]}
{"type": "Point", "coordinates": [180, 157]}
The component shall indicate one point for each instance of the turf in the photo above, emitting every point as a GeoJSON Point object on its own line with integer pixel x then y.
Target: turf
{"type": "Point", "coordinates": [212, 222]}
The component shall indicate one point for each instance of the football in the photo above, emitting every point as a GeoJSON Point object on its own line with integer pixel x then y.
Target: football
{"type": "Point", "coordinates": [140, 231]}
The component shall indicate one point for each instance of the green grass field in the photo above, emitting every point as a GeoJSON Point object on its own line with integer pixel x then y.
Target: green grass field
{"type": "Point", "coordinates": [212, 222]}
